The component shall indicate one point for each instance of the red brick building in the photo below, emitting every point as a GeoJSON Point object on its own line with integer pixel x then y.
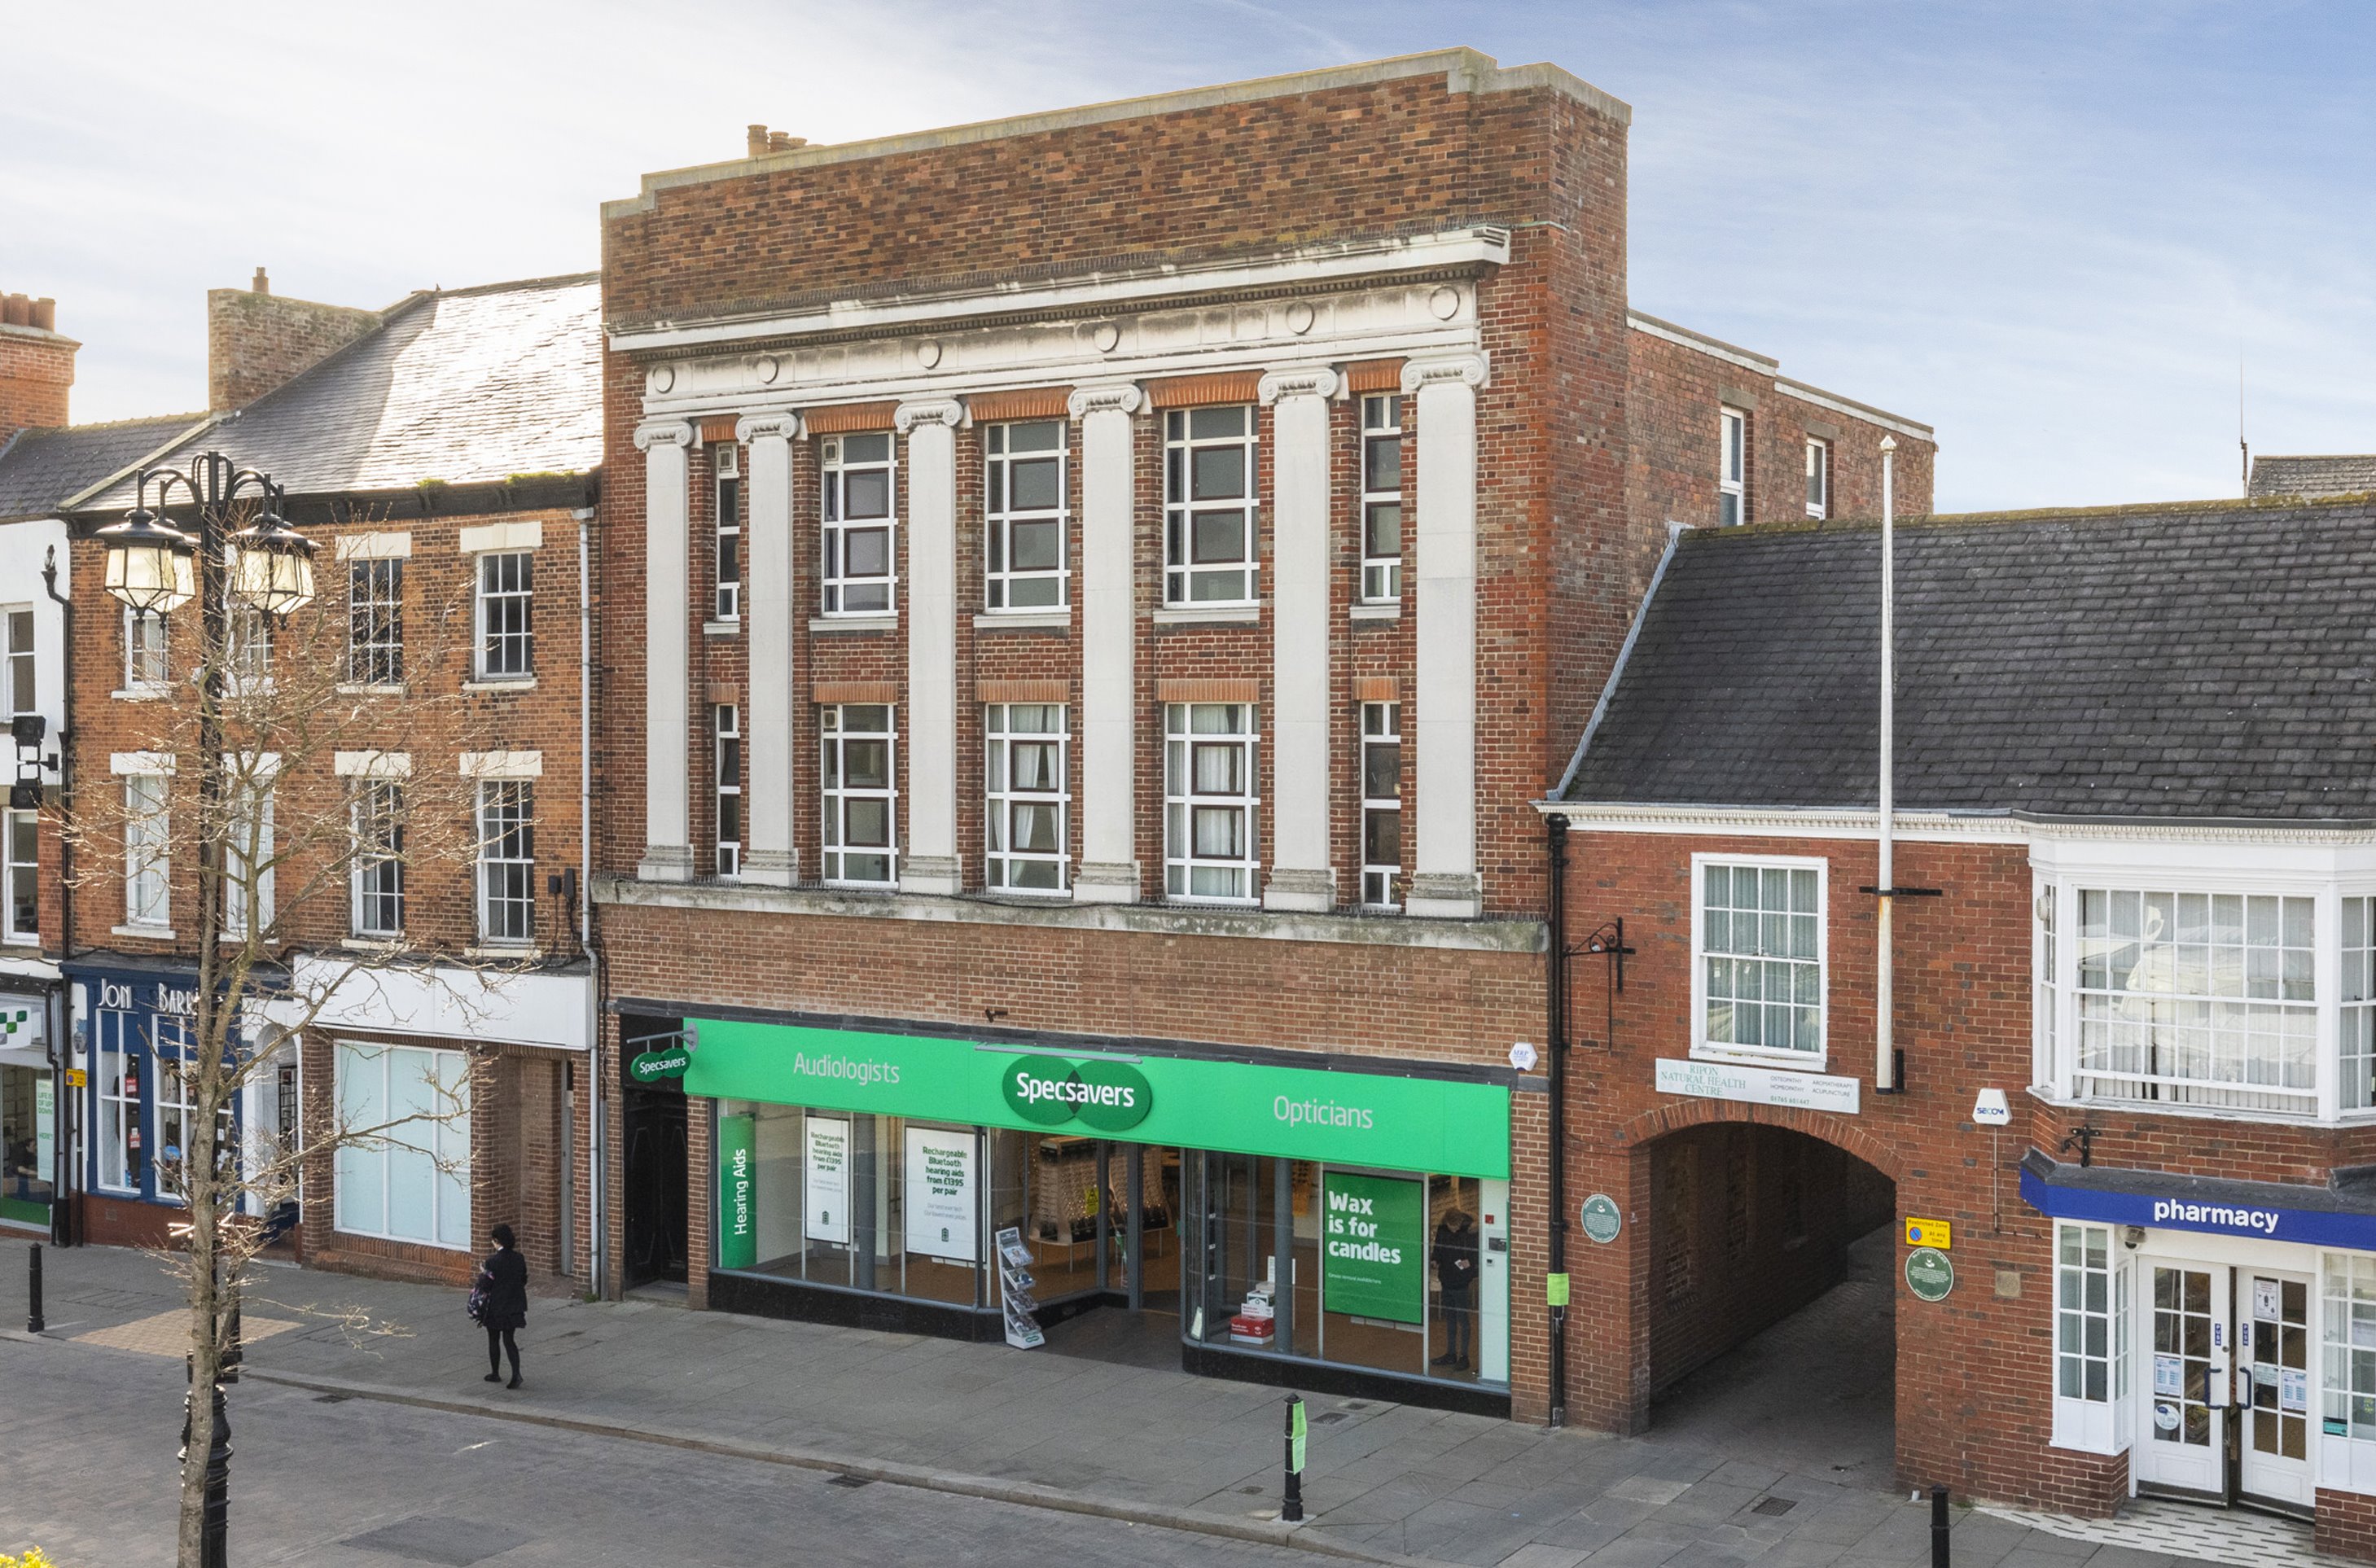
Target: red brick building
{"type": "Point", "coordinates": [2133, 1123]}
{"type": "Point", "coordinates": [1091, 603]}
{"type": "Point", "coordinates": [422, 792]}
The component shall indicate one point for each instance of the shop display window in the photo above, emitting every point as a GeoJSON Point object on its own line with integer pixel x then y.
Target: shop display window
{"type": "Point", "coordinates": [28, 1124]}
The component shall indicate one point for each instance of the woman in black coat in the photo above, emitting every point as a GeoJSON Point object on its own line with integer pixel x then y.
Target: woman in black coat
{"type": "Point", "coordinates": [506, 1309]}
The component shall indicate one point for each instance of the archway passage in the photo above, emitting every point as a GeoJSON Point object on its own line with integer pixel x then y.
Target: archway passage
{"type": "Point", "coordinates": [1771, 1309]}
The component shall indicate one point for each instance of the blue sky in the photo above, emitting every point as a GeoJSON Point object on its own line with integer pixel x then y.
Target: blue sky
{"type": "Point", "coordinates": [2049, 229]}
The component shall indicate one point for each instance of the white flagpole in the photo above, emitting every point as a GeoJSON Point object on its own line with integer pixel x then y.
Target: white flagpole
{"type": "Point", "coordinates": [1884, 1073]}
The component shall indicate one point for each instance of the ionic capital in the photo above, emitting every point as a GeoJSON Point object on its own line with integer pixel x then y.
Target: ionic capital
{"type": "Point", "coordinates": [943, 411]}
{"type": "Point", "coordinates": [1297, 380]}
{"type": "Point", "coordinates": [662, 432]}
{"type": "Point", "coordinates": [776, 425]}
{"type": "Point", "coordinates": [1469, 368]}
{"type": "Point", "coordinates": [1117, 397]}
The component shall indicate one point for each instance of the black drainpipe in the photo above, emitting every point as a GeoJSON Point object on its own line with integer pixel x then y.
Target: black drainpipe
{"type": "Point", "coordinates": [62, 1206]}
{"type": "Point", "coordinates": [1555, 1033]}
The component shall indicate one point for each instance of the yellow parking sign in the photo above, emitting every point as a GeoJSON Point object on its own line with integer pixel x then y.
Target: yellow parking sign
{"type": "Point", "coordinates": [1930, 1233]}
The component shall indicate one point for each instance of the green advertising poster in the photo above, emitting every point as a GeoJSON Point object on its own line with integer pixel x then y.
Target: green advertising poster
{"type": "Point", "coordinates": [1458, 1127]}
{"type": "Point", "coordinates": [738, 1203]}
{"type": "Point", "coordinates": [1373, 1246]}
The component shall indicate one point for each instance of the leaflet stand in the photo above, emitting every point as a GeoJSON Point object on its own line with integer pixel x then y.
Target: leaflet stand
{"type": "Point", "coordinates": [1014, 1283]}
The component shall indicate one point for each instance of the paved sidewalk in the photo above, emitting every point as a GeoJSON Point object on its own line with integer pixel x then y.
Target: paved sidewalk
{"type": "Point", "coordinates": [1386, 1481]}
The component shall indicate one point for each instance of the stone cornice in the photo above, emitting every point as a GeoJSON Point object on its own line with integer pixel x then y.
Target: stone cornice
{"type": "Point", "coordinates": [1299, 381]}
{"type": "Point", "coordinates": [1121, 396]}
{"type": "Point", "coordinates": [1499, 935]}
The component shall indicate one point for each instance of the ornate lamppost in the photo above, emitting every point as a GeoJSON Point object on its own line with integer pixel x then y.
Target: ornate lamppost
{"type": "Point", "coordinates": [154, 568]}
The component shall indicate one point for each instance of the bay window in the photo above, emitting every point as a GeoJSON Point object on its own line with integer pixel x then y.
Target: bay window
{"type": "Point", "coordinates": [2091, 1339]}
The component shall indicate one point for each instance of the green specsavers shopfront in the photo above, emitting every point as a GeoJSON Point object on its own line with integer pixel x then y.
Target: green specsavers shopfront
{"type": "Point", "coordinates": [1347, 1231]}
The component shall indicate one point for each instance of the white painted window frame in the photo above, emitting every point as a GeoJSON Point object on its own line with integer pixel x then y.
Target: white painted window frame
{"type": "Point", "coordinates": [18, 671]}
{"type": "Point", "coordinates": [375, 873]}
{"type": "Point", "coordinates": [1818, 477]}
{"type": "Point", "coordinates": [238, 796]}
{"type": "Point", "coordinates": [2088, 1422]}
{"type": "Point", "coordinates": [148, 849]}
{"type": "Point", "coordinates": [836, 731]}
{"type": "Point", "coordinates": [375, 620]}
{"type": "Point", "coordinates": [1381, 727]}
{"type": "Point", "coordinates": [1000, 516]}
{"type": "Point", "coordinates": [726, 779]}
{"type": "Point", "coordinates": [837, 584]}
{"type": "Point", "coordinates": [1182, 510]}
{"type": "Point", "coordinates": [494, 649]}
{"type": "Point", "coordinates": [1381, 571]}
{"type": "Point", "coordinates": [119, 1113]}
{"type": "Point", "coordinates": [1182, 800]}
{"type": "Point", "coordinates": [1000, 858]}
{"type": "Point", "coordinates": [507, 813]}
{"type": "Point", "coordinates": [726, 558]}
{"type": "Point", "coordinates": [21, 841]}
{"type": "Point", "coordinates": [147, 653]}
{"type": "Point", "coordinates": [1762, 1056]}
{"type": "Point", "coordinates": [1731, 466]}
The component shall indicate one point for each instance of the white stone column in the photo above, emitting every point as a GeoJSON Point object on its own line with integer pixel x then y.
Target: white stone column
{"type": "Point", "coordinates": [1444, 882]}
{"type": "Point", "coordinates": [929, 863]}
{"type": "Point", "coordinates": [770, 854]}
{"type": "Point", "coordinates": [1300, 874]}
{"type": "Point", "coordinates": [1109, 868]}
{"type": "Point", "coordinates": [668, 838]}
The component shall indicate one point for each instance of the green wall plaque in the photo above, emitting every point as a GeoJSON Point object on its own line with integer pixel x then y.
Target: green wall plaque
{"type": "Point", "coordinates": [1602, 1218]}
{"type": "Point", "coordinates": [1930, 1274]}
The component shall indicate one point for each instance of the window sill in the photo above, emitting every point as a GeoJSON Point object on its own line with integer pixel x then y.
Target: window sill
{"type": "Point", "coordinates": [1389, 611]}
{"type": "Point", "coordinates": [526, 954]}
{"type": "Point", "coordinates": [854, 623]}
{"type": "Point", "coordinates": [1208, 616]}
{"type": "Point", "coordinates": [501, 684]}
{"type": "Point", "coordinates": [1743, 1056]}
{"type": "Point", "coordinates": [722, 628]}
{"type": "Point", "coordinates": [1185, 902]}
{"type": "Point", "coordinates": [372, 944]}
{"type": "Point", "coordinates": [146, 932]}
{"type": "Point", "coordinates": [348, 689]}
{"type": "Point", "coordinates": [142, 694]}
{"type": "Point", "coordinates": [1024, 620]}
{"type": "Point", "coordinates": [14, 940]}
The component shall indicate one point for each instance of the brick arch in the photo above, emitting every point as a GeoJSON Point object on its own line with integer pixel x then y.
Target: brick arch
{"type": "Point", "coordinates": [1841, 1132]}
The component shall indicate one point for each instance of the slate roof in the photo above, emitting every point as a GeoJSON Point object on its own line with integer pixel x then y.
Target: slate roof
{"type": "Point", "coordinates": [2340, 475]}
{"type": "Point", "coordinates": [41, 470]}
{"type": "Point", "coordinates": [466, 385]}
{"type": "Point", "coordinates": [2211, 660]}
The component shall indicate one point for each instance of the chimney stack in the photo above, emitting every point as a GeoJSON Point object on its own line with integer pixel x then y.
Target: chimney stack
{"type": "Point", "coordinates": [37, 365]}
{"type": "Point", "coordinates": [256, 341]}
{"type": "Point", "coordinates": [758, 141]}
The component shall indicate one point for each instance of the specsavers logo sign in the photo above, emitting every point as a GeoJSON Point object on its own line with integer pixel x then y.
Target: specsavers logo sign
{"type": "Point", "coordinates": [1107, 1096]}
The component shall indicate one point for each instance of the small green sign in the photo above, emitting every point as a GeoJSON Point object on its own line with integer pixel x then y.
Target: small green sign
{"type": "Point", "coordinates": [1112, 1097]}
{"type": "Point", "coordinates": [1555, 1288]}
{"type": "Point", "coordinates": [1930, 1274]}
{"type": "Point", "coordinates": [653, 1065]}
{"type": "Point", "coordinates": [1298, 1426]}
{"type": "Point", "coordinates": [1373, 1246]}
{"type": "Point", "coordinates": [1602, 1220]}
{"type": "Point", "coordinates": [738, 1201]}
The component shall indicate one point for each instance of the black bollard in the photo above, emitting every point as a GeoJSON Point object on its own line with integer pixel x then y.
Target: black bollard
{"type": "Point", "coordinates": [1938, 1526]}
{"type": "Point", "coordinates": [34, 1321]}
{"type": "Point", "coordinates": [1290, 1506]}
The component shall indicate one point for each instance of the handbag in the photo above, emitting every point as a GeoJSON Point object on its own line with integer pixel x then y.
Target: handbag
{"type": "Point", "coordinates": [481, 1289]}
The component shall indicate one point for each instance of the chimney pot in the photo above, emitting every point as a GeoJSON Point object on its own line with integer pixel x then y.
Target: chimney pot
{"type": "Point", "coordinates": [45, 314]}
{"type": "Point", "coordinates": [755, 140]}
{"type": "Point", "coordinates": [17, 310]}
{"type": "Point", "coordinates": [784, 141]}
{"type": "Point", "coordinates": [262, 285]}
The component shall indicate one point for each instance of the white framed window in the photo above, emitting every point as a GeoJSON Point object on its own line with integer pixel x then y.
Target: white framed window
{"type": "Point", "coordinates": [404, 1172]}
{"type": "Point", "coordinates": [2348, 1332]}
{"type": "Point", "coordinates": [1818, 477]}
{"type": "Point", "coordinates": [860, 505]}
{"type": "Point", "coordinates": [1758, 934]}
{"type": "Point", "coordinates": [506, 603]}
{"type": "Point", "coordinates": [2046, 1000]}
{"type": "Point", "coordinates": [726, 733]}
{"type": "Point", "coordinates": [861, 846]}
{"type": "Point", "coordinates": [1382, 498]}
{"type": "Point", "coordinates": [21, 886]}
{"type": "Point", "coordinates": [247, 843]}
{"type": "Point", "coordinates": [376, 871]}
{"type": "Point", "coordinates": [145, 664]}
{"type": "Point", "coordinates": [1382, 802]}
{"type": "Point", "coordinates": [2091, 1339]}
{"type": "Point", "coordinates": [1211, 843]}
{"type": "Point", "coordinates": [728, 459]}
{"type": "Point", "coordinates": [2357, 1044]}
{"type": "Point", "coordinates": [2193, 998]}
{"type": "Point", "coordinates": [119, 1102]}
{"type": "Point", "coordinates": [1025, 515]}
{"type": "Point", "coordinates": [148, 831]}
{"type": "Point", "coordinates": [376, 622]}
{"type": "Point", "coordinates": [172, 1070]}
{"type": "Point", "coordinates": [1732, 466]}
{"type": "Point", "coordinates": [17, 692]}
{"type": "Point", "coordinates": [1208, 505]}
{"type": "Point", "coordinates": [1024, 822]}
{"type": "Point", "coordinates": [507, 862]}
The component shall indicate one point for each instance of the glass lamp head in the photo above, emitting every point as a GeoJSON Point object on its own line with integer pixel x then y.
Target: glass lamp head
{"type": "Point", "coordinates": [271, 566]}
{"type": "Point", "coordinates": [148, 562]}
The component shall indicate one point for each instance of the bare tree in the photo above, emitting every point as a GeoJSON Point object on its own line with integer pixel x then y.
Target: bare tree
{"type": "Point", "coordinates": [334, 796]}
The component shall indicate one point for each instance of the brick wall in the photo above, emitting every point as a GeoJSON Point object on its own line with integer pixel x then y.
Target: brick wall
{"type": "Point", "coordinates": [257, 342]}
